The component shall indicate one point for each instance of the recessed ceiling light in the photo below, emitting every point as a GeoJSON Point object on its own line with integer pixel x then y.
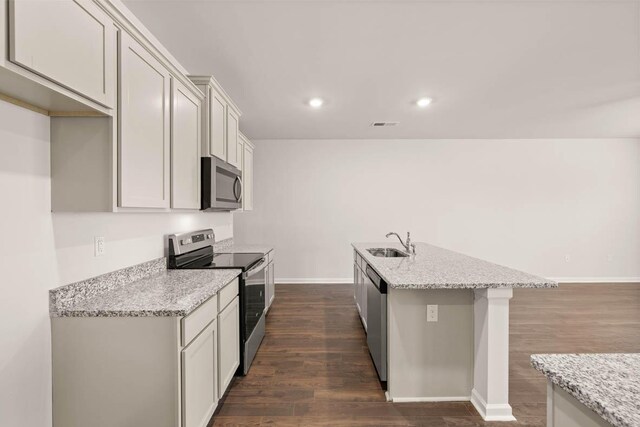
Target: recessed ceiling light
{"type": "Point", "coordinates": [316, 102]}
{"type": "Point", "coordinates": [423, 102]}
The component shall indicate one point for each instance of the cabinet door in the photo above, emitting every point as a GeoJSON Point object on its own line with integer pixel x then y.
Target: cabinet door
{"type": "Point", "coordinates": [247, 177]}
{"type": "Point", "coordinates": [241, 163]}
{"type": "Point", "coordinates": [217, 125]}
{"type": "Point", "coordinates": [228, 344]}
{"type": "Point", "coordinates": [144, 151]}
{"type": "Point", "coordinates": [272, 284]}
{"type": "Point", "coordinates": [267, 288]}
{"type": "Point", "coordinates": [199, 378]}
{"type": "Point", "coordinates": [70, 42]}
{"type": "Point", "coordinates": [232, 138]}
{"type": "Point", "coordinates": [241, 155]}
{"type": "Point", "coordinates": [356, 281]}
{"type": "Point", "coordinates": [363, 298]}
{"type": "Point", "coordinates": [185, 148]}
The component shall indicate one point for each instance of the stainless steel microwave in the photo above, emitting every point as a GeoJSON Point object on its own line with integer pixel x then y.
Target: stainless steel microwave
{"type": "Point", "coordinates": [221, 185]}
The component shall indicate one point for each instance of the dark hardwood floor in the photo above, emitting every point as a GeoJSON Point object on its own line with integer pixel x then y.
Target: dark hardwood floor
{"type": "Point", "coordinates": [314, 369]}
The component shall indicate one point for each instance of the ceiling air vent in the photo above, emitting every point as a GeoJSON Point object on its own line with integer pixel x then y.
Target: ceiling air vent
{"type": "Point", "coordinates": [384, 124]}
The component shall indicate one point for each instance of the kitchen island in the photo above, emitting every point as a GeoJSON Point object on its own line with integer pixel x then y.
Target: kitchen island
{"type": "Point", "coordinates": [446, 323]}
{"type": "Point", "coordinates": [591, 390]}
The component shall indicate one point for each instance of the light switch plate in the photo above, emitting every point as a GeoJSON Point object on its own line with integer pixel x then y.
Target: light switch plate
{"type": "Point", "coordinates": [432, 313]}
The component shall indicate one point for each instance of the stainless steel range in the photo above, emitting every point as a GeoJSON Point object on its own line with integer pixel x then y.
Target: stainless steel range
{"type": "Point", "coordinates": [194, 250]}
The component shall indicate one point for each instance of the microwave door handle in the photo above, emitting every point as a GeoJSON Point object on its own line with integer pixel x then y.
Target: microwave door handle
{"type": "Point", "coordinates": [239, 182]}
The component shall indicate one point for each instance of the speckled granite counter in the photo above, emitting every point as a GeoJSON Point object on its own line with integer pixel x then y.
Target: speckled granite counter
{"type": "Point", "coordinates": [146, 289]}
{"type": "Point", "coordinates": [437, 268]}
{"type": "Point", "coordinates": [608, 384]}
{"type": "Point", "coordinates": [229, 246]}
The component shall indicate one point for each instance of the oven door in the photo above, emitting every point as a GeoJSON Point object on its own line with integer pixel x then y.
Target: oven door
{"type": "Point", "coordinates": [253, 302]}
{"type": "Point", "coordinates": [254, 288]}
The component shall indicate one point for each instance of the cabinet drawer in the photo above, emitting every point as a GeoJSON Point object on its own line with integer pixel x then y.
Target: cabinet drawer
{"type": "Point", "coordinates": [227, 294]}
{"type": "Point", "coordinates": [195, 322]}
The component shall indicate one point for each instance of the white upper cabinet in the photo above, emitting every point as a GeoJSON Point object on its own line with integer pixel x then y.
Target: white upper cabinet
{"type": "Point", "coordinates": [144, 155]}
{"type": "Point", "coordinates": [217, 125]}
{"type": "Point", "coordinates": [70, 42]}
{"type": "Point", "coordinates": [233, 123]}
{"type": "Point", "coordinates": [185, 148]}
{"type": "Point", "coordinates": [247, 173]}
{"type": "Point", "coordinates": [220, 124]}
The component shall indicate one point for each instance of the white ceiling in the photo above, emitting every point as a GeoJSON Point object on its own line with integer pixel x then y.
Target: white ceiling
{"type": "Point", "coordinates": [496, 69]}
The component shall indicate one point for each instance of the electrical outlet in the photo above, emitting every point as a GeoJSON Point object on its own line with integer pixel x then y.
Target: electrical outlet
{"type": "Point", "coordinates": [432, 313]}
{"type": "Point", "coordinates": [99, 246]}
{"type": "Point", "coordinates": [567, 258]}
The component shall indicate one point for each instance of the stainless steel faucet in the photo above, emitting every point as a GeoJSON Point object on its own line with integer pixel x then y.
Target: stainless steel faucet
{"type": "Point", "coordinates": [411, 249]}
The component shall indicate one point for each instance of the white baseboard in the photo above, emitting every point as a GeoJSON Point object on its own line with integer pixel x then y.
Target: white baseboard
{"type": "Point", "coordinates": [314, 281]}
{"type": "Point", "coordinates": [491, 412]}
{"type": "Point", "coordinates": [596, 280]}
{"type": "Point", "coordinates": [429, 399]}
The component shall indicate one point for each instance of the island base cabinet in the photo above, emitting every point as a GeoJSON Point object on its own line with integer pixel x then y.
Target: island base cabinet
{"type": "Point", "coordinates": [360, 289]}
{"type": "Point", "coordinates": [430, 361]}
{"type": "Point", "coordinates": [564, 410]}
{"type": "Point", "coordinates": [200, 378]}
{"type": "Point", "coordinates": [228, 343]}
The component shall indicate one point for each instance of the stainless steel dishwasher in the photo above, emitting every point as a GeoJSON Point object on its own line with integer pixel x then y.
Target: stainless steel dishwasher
{"type": "Point", "coordinates": [377, 320]}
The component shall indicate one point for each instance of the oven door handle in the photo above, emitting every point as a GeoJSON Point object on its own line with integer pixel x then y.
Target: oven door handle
{"type": "Point", "coordinates": [259, 266]}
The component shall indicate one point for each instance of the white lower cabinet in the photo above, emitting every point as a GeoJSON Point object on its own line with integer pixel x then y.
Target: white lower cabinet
{"type": "Point", "coordinates": [200, 378]}
{"type": "Point", "coordinates": [270, 286]}
{"type": "Point", "coordinates": [228, 343]}
{"type": "Point", "coordinates": [145, 371]}
{"type": "Point", "coordinates": [271, 283]}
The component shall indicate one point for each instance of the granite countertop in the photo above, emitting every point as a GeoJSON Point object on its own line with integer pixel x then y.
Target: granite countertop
{"type": "Point", "coordinates": [146, 289]}
{"type": "Point", "coordinates": [608, 384]}
{"type": "Point", "coordinates": [437, 268]}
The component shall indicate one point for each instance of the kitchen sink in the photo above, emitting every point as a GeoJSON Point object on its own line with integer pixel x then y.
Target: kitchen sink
{"type": "Point", "coordinates": [387, 252]}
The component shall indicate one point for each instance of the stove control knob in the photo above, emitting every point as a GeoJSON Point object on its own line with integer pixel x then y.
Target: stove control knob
{"type": "Point", "coordinates": [209, 236]}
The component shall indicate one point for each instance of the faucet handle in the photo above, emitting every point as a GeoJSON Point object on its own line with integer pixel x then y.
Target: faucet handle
{"type": "Point", "coordinates": [413, 248]}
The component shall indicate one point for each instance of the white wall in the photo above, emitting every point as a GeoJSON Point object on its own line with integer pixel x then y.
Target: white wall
{"type": "Point", "coordinates": [41, 250]}
{"type": "Point", "coordinates": [130, 238]}
{"type": "Point", "coordinates": [28, 268]}
{"type": "Point", "coordinates": [527, 204]}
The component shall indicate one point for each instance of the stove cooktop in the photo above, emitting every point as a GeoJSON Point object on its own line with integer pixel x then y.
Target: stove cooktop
{"type": "Point", "coordinates": [244, 261]}
{"type": "Point", "coordinates": [224, 260]}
